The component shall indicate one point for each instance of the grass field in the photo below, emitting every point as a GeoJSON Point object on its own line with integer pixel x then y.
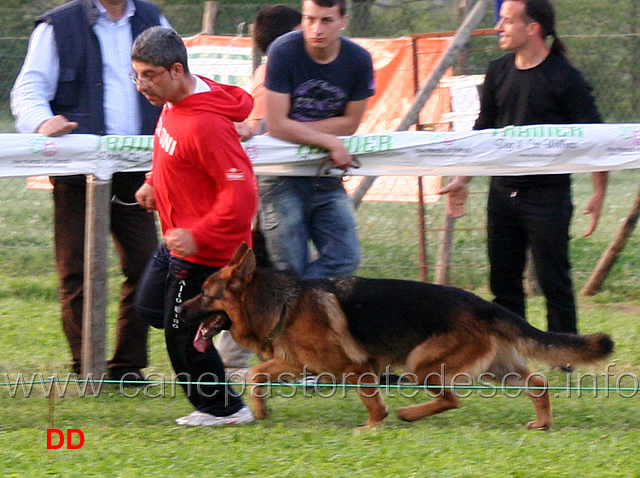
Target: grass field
{"type": "Point", "coordinates": [132, 432]}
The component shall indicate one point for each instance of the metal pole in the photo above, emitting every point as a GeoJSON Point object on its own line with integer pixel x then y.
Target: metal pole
{"type": "Point", "coordinates": [94, 312]}
{"type": "Point", "coordinates": [422, 248]}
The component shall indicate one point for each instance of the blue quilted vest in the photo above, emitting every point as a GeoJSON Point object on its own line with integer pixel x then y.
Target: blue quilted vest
{"type": "Point", "coordinates": [80, 93]}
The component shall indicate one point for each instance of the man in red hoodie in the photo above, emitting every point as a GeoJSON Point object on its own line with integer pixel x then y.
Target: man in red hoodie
{"type": "Point", "coordinates": [203, 187]}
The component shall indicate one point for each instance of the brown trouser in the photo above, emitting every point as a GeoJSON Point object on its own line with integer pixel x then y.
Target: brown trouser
{"type": "Point", "coordinates": [134, 234]}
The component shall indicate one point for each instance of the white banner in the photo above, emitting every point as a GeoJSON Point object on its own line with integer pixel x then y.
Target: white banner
{"type": "Point", "coordinates": [519, 150]}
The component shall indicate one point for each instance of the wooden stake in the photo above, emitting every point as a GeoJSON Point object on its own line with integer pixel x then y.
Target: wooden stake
{"type": "Point", "coordinates": [610, 255]}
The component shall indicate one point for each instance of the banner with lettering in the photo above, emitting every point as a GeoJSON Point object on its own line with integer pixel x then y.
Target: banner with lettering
{"type": "Point", "coordinates": [519, 150]}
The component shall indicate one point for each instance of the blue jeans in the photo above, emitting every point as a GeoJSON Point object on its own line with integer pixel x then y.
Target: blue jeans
{"type": "Point", "coordinates": [538, 218]}
{"type": "Point", "coordinates": [296, 210]}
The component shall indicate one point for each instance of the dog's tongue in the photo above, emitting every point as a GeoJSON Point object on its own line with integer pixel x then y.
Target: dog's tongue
{"type": "Point", "coordinates": [200, 342]}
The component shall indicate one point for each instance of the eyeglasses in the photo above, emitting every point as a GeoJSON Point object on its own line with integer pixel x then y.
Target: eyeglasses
{"type": "Point", "coordinates": [147, 78]}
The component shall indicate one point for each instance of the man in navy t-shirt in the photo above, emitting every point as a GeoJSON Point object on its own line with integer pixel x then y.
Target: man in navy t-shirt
{"type": "Point", "coordinates": [318, 83]}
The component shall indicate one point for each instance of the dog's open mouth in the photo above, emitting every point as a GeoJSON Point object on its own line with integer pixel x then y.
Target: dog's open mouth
{"type": "Point", "coordinates": [210, 327]}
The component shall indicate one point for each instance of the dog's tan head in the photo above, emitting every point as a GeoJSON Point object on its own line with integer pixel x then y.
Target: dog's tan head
{"type": "Point", "coordinates": [219, 303]}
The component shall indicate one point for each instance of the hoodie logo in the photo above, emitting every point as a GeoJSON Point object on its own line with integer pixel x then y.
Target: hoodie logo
{"type": "Point", "coordinates": [234, 174]}
{"type": "Point", "coordinates": [166, 142]}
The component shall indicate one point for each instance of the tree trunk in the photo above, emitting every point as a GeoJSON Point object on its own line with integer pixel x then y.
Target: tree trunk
{"type": "Point", "coordinates": [209, 18]}
{"type": "Point", "coordinates": [443, 263]}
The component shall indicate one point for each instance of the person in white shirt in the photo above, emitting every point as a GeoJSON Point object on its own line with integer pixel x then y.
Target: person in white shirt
{"type": "Point", "coordinates": [76, 79]}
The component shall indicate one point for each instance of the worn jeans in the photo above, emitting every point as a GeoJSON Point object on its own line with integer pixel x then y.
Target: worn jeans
{"type": "Point", "coordinates": [538, 218]}
{"type": "Point", "coordinates": [166, 284]}
{"type": "Point", "coordinates": [296, 210]}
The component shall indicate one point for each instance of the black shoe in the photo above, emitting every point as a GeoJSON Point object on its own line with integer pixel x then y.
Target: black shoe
{"type": "Point", "coordinates": [128, 377]}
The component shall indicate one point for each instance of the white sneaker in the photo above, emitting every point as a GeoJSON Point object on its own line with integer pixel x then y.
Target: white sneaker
{"type": "Point", "coordinates": [191, 416]}
{"type": "Point", "coordinates": [309, 381]}
{"type": "Point", "coordinates": [199, 418]}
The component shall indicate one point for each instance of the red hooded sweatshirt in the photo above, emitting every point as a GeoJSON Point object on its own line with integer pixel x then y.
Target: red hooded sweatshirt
{"type": "Point", "coordinates": [202, 178]}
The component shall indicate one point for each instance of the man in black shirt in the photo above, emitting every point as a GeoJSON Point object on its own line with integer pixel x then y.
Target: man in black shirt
{"type": "Point", "coordinates": [534, 84]}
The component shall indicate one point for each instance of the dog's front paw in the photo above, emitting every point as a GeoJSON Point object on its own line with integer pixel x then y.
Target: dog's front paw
{"type": "Point", "coordinates": [259, 408]}
{"type": "Point", "coordinates": [537, 425]}
{"type": "Point", "coordinates": [371, 424]}
{"type": "Point", "coordinates": [261, 413]}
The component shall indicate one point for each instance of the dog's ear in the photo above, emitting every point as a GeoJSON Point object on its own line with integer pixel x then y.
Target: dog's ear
{"type": "Point", "coordinates": [239, 254]}
{"type": "Point", "coordinates": [243, 271]}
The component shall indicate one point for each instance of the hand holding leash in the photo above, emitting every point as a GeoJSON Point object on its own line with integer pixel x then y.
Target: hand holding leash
{"type": "Point", "coordinates": [144, 196]}
{"type": "Point", "coordinates": [325, 167]}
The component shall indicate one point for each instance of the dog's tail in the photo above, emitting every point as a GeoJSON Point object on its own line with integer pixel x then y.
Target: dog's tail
{"type": "Point", "coordinates": [552, 347]}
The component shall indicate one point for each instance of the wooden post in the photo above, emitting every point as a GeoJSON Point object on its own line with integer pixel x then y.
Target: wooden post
{"type": "Point", "coordinates": [610, 255]}
{"type": "Point", "coordinates": [448, 59]}
{"type": "Point", "coordinates": [209, 18]}
{"type": "Point", "coordinates": [443, 259]}
{"type": "Point", "coordinates": [444, 252]}
{"type": "Point", "coordinates": [94, 312]}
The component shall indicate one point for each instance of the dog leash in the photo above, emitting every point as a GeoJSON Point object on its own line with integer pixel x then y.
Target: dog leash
{"type": "Point", "coordinates": [116, 200]}
{"type": "Point", "coordinates": [324, 170]}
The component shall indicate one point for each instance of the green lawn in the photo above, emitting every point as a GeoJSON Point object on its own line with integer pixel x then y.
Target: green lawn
{"type": "Point", "coordinates": [133, 433]}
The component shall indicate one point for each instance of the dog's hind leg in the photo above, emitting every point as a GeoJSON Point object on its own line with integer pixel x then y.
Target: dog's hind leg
{"type": "Point", "coordinates": [437, 362]}
{"type": "Point", "coordinates": [445, 400]}
{"type": "Point", "coordinates": [370, 396]}
{"type": "Point", "coordinates": [536, 388]}
{"type": "Point", "coordinates": [509, 368]}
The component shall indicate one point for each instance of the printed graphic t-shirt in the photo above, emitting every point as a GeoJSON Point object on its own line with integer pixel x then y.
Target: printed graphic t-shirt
{"type": "Point", "coordinates": [318, 91]}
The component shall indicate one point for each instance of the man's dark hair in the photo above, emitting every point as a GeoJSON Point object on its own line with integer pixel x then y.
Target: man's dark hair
{"type": "Point", "coordinates": [160, 46]}
{"type": "Point", "coordinates": [541, 11]}
{"type": "Point", "coordinates": [342, 4]}
{"type": "Point", "coordinates": [273, 21]}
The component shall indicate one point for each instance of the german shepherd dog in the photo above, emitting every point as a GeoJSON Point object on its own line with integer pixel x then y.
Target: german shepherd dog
{"type": "Point", "coordinates": [354, 328]}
